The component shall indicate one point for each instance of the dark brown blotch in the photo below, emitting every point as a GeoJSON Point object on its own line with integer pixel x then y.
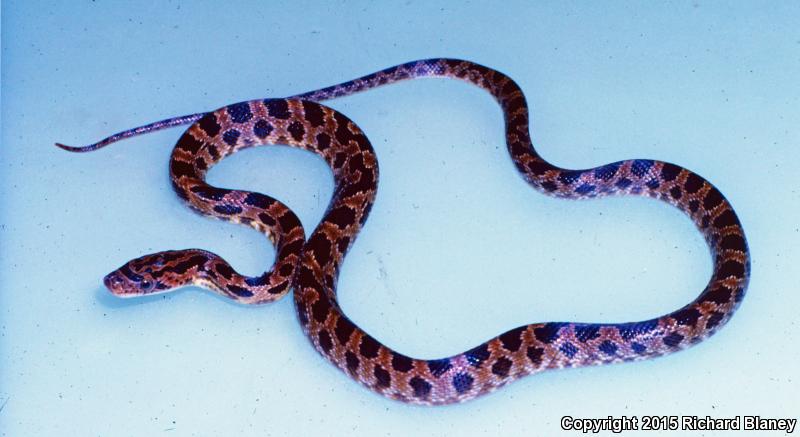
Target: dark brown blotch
{"type": "Point", "coordinates": [727, 218]}
{"type": "Point", "coordinates": [535, 355]}
{"type": "Point", "coordinates": [352, 362]}
{"type": "Point", "coordinates": [297, 130]}
{"type": "Point", "coordinates": [342, 217]}
{"type": "Point", "coordinates": [669, 172]}
{"type": "Point", "coordinates": [512, 340]}
{"type": "Point", "coordinates": [514, 104]}
{"type": "Point", "coordinates": [179, 168]}
{"type": "Point", "coordinates": [501, 367]}
{"type": "Point", "coordinates": [320, 248]}
{"type": "Point", "coordinates": [313, 113]}
{"type": "Point", "coordinates": [258, 200]}
{"type": "Point", "coordinates": [733, 242]}
{"type": "Point", "coordinates": [719, 295]}
{"type": "Point", "coordinates": [323, 141]}
{"type": "Point", "coordinates": [225, 270]}
{"type": "Point", "coordinates": [209, 193]}
{"type": "Point", "coordinates": [320, 309]}
{"type": "Point", "coordinates": [369, 346]}
{"type": "Point", "coordinates": [421, 387]}
{"type": "Point", "coordinates": [277, 108]}
{"type": "Point", "coordinates": [189, 143]}
{"type": "Point", "coordinates": [687, 317]}
{"type": "Point", "coordinates": [713, 199]}
{"type": "Point", "coordinates": [286, 269]}
{"type": "Point", "coordinates": [288, 221]}
{"type": "Point", "coordinates": [209, 125]}
{"type": "Point", "coordinates": [693, 183]}
{"type": "Point", "coordinates": [266, 219]}
{"type": "Point", "coordinates": [307, 279]}
{"type": "Point", "coordinates": [439, 367]}
{"type": "Point", "coordinates": [213, 151]}
{"type": "Point", "coordinates": [477, 355]}
{"type": "Point", "coordinates": [279, 288]}
{"type": "Point", "coordinates": [325, 341]}
{"type": "Point", "coordinates": [402, 363]}
{"type": "Point", "coordinates": [200, 164]}
{"type": "Point", "coordinates": [384, 379]}
{"type": "Point", "coordinates": [538, 167]}
{"type": "Point", "coordinates": [730, 268]}
{"type": "Point", "coordinates": [673, 340]}
{"type": "Point", "coordinates": [344, 329]}
{"type": "Point", "coordinates": [343, 243]}
{"type": "Point", "coordinates": [293, 247]}
{"type": "Point", "coordinates": [548, 332]}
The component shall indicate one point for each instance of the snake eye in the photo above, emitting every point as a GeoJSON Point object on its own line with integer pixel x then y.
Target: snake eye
{"type": "Point", "coordinates": [146, 285]}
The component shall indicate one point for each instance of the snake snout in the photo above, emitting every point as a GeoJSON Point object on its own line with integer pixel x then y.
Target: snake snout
{"type": "Point", "coordinates": [114, 282]}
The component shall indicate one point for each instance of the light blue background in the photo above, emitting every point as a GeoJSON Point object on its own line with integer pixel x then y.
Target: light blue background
{"type": "Point", "coordinates": [458, 248]}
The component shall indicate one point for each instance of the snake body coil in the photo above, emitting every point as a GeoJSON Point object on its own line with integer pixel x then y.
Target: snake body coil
{"type": "Point", "coordinates": [311, 267]}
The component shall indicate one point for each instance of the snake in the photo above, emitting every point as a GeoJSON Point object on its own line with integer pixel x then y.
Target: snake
{"type": "Point", "coordinates": [310, 267]}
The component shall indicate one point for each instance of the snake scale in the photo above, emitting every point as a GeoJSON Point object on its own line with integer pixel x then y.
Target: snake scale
{"type": "Point", "coordinates": [311, 267]}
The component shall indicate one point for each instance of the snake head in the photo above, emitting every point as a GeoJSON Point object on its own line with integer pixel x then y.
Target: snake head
{"type": "Point", "coordinates": [155, 273]}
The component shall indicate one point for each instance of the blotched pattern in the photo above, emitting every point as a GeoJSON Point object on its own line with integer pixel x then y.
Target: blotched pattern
{"type": "Point", "coordinates": [311, 267]}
